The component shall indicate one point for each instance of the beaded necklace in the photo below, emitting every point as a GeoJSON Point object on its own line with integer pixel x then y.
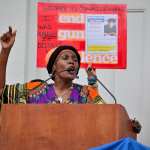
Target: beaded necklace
{"type": "Point", "coordinates": [60, 98]}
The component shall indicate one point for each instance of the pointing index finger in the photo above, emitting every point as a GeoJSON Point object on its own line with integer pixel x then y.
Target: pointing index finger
{"type": "Point", "coordinates": [10, 29]}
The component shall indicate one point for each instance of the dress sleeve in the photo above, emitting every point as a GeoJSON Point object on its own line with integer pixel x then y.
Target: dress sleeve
{"type": "Point", "coordinates": [90, 91]}
{"type": "Point", "coordinates": [92, 95]}
{"type": "Point", "coordinates": [14, 94]}
{"type": "Point", "coordinates": [18, 93]}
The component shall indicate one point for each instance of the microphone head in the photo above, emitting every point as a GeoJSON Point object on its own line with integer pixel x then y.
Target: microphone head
{"type": "Point", "coordinates": [89, 69]}
{"type": "Point", "coordinates": [50, 76]}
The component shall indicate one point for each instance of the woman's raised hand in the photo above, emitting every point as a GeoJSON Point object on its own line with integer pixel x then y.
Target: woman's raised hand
{"type": "Point", "coordinates": [7, 39]}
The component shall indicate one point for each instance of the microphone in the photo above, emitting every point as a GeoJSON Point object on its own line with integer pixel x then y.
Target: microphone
{"type": "Point", "coordinates": [52, 75]}
{"type": "Point", "coordinates": [89, 69]}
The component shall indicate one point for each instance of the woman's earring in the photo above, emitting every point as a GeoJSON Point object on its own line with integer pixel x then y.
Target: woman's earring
{"type": "Point", "coordinates": [50, 76]}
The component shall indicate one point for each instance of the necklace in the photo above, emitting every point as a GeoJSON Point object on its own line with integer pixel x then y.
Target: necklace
{"type": "Point", "coordinates": [60, 98]}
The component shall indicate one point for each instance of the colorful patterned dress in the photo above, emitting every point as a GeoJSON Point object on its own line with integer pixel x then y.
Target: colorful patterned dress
{"type": "Point", "coordinates": [39, 92]}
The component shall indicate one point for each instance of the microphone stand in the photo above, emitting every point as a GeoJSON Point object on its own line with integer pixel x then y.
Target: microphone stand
{"type": "Point", "coordinates": [107, 90]}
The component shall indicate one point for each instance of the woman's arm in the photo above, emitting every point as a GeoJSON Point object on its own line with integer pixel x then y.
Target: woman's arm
{"type": "Point", "coordinates": [7, 40]}
{"type": "Point", "coordinates": [93, 92]}
{"type": "Point", "coordinates": [90, 92]}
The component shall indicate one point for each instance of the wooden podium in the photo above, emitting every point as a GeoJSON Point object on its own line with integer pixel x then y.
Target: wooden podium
{"type": "Point", "coordinates": [62, 126]}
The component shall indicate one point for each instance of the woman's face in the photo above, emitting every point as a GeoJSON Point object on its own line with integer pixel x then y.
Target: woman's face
{"type": "Point", "coordinates": [66, 65]}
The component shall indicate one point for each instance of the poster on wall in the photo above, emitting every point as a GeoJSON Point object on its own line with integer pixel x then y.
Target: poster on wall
{"type": "Point", "coordinates": [97, 31]}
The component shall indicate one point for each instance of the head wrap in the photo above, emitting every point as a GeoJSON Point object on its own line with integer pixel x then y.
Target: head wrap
{"type": "Point", "coordinates": [56, 52]}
